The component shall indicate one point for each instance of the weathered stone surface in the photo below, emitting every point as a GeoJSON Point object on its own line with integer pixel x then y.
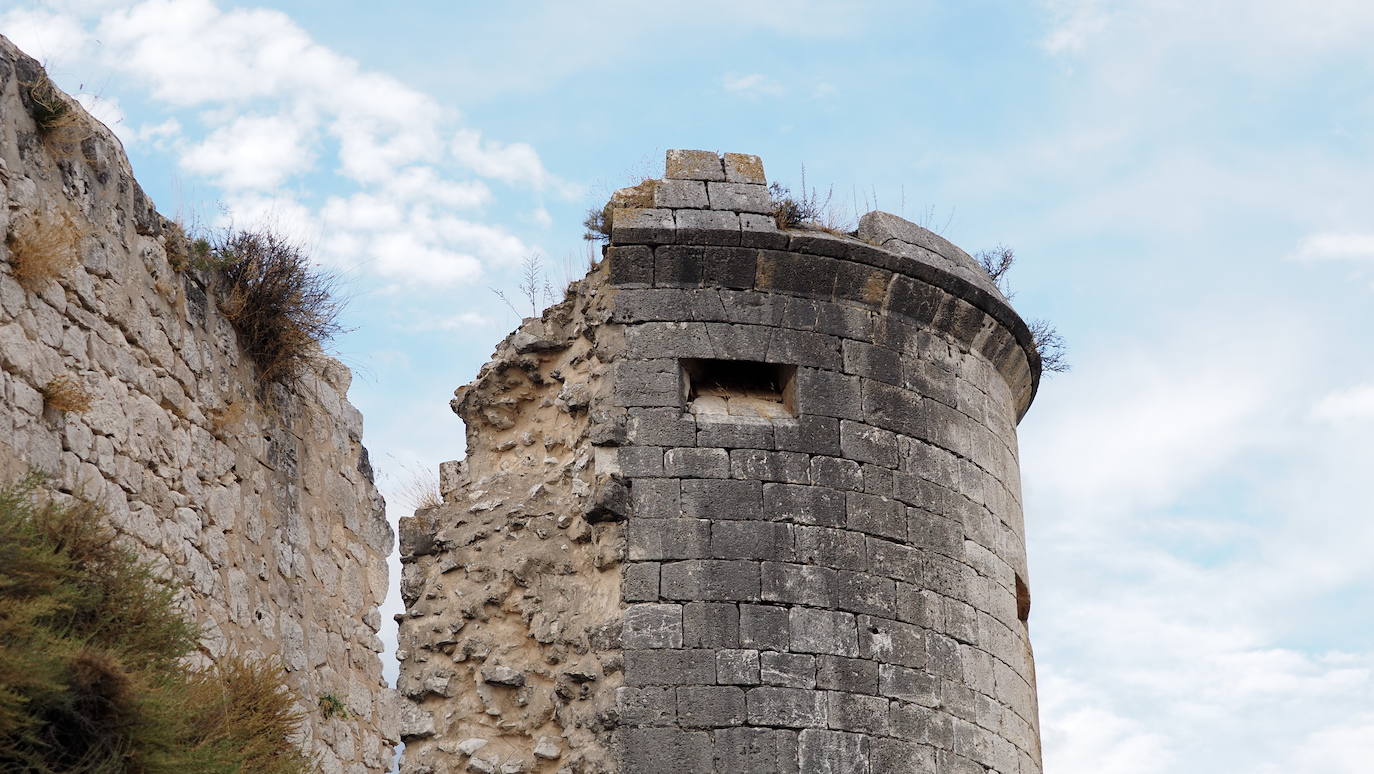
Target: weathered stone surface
{"type": "Point", "coordinates": [830, 585]}
{"type": "Point", "coordinates": [642, 225]}
{"type": "Point", "coordinates": [744, 168]}
{"type": "Point", "coordinates": [739, 197]}
{"type": "Point", "coordinates": [708, 227]}
{"type": "Point", "coordinates": [694, 165]}
{"type": "Point", "coordinates": [255, 499]}
{"type": "Point", "coordinates": [680, 193]}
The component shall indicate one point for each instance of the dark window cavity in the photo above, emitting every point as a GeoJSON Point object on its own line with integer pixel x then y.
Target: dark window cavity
{"type": "Point", "coordinates": [740, 388]}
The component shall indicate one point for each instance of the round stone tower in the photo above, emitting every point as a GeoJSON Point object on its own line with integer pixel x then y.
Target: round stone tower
{"type": "Point", "coordinates": [747, 501]}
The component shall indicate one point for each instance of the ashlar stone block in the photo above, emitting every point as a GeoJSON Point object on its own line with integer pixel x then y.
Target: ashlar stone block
{"type": "Point", "coordinates": [693, 165]}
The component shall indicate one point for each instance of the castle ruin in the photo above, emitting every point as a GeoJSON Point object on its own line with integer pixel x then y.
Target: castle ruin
{"type": "Point", "coordinates": [747, 500]}
{"type": "Point", "coordinates": [260, 509]}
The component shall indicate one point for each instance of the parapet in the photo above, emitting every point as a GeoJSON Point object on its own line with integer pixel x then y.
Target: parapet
{"type": "Point", "coordinates": [705, 199]}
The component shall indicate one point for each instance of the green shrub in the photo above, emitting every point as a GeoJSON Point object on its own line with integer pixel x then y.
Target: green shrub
{"type": "Point", "coordinates": [332, 706]}
{"type": "Point", "coordinates": [91, 672]}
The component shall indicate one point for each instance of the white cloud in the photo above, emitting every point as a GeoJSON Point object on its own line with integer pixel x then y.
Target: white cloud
{"type": "Point", "coordinates": [1081, 736]}
{"type": "Point", "coordinates": [1138, 425]}
{"type": "Point", "coordinates": [1347, 748]}
{"type": "Point", "coordinates": [252, 210]}
{"type": "Point", "coordinates": [492, 243]}
{"type": "Point", "coordinates": [1168, 647]}
{"type": "Point", "coordinates": [515, 162]}
{"type": "Point", "coordinates": [423, 184]}
{"type": "Point", "coordinates": [463, 321]}
{"type": "Point", "coordinates": [1336, 246]}
{"type": "Point", "coordinates": [363, 212]}
{"type": "Point", "coordinates": [252, 152]}
{"type": "Point", "coordinates": [161, 135]}
{"type": "Point", "coordinates": [1353, 403]}
{"type": "Point", "coordinates": [45, 35]}
{"type": "Point", "coordinates": [404, 256]}
{"type": "Point", "coordinates": [189, 52]}
{"type": "Point", "coordinates": [272, 105]}
{"type": "Point", "coordinates": [753, 85]}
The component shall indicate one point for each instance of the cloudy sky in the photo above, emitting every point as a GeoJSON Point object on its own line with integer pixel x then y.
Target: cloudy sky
{"type": "Point", "coordinates": [1187, 186]}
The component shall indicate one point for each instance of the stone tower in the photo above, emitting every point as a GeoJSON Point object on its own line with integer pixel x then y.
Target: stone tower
{"type": "Point", "coordinates": [746, 501]}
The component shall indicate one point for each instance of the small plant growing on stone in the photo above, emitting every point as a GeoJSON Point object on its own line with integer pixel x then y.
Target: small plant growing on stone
{"type": "Point", "coordinates": [42, 248]}
{"type": "Point", "coordinates": [282, 307]}
{"type": "Point", "coordinates": [61, 124]}
{"type": "Point", "coordinates": [996, 262]}
{"type": "Point", "coordinates": [184, 252]}
{"type": "Point", "coordinates": [795, 212]}
{"type": "Point", "coordinates": [1050, 345]}
{"type": "Point", "coordinates": [64, 393]}
{"type": "Point", "coordinates": [535, 287]}
{"type": "Point", "coordinates": [1044, 336]}
{"type": "Point", "coordinates": [49, 107]}
{"type": "Point", "coordinates": [808, 210]}
{"type": "Point", "coordinates": [332, 707]}
{"type": "Point", "coordinates": [598, 227]}
{"type": "Point", "coordinates": [419, 488]}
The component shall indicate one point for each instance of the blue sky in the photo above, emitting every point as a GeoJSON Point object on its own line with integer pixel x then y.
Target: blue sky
{"type": "Point", "coordinates": [1186, 186]}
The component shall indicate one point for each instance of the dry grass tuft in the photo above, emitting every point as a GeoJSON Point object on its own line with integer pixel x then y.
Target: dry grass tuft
{"type": "Point", "coordinates": [808, 210]}
{"type": "Point", "coordinates": [42, 248]}
{"type": "Point", "coordinates": [49, 107]}
{"type": "Point", "coordinates": [227, 418]}
{"type": "Point", "coordinates": [282, 307]}
{"type": "Point", "coordinates": [60, 122]}
{"type": "Point", "coordinates": [66, 394]}
{"type": "Point", "coordinates": [420, 489]}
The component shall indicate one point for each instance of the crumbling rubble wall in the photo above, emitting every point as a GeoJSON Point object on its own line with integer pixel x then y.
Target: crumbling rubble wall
{"type": "Point", "coordinates": [509, 645]}
{"type": "Point", "coordinates": [826, 572]}
{"type": "Point", "coordinates": [260, 507]}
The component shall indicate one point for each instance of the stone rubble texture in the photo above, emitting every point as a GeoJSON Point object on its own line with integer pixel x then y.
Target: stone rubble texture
{"type": "Point", "coordinates": [266, 519]}
{"type": "Point", "coordinates": [647, 586]}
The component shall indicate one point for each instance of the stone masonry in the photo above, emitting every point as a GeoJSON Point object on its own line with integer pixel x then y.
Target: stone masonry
{"type": "Point", "coordinates": [263, 512]}
{"type": "Point", "coordinates": [747, 500]}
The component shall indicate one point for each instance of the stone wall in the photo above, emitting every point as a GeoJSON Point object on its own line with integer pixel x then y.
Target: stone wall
{"type": "Point", "coordinates": [509, 644]}
{"type": "Point", "coordinates": [263, 511]}
{"type": "Point", "coordinates": [794, 451]}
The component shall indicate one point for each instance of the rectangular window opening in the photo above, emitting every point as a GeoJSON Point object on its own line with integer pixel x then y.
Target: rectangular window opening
{"type": "Point", "coordinates": [741, 388]}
